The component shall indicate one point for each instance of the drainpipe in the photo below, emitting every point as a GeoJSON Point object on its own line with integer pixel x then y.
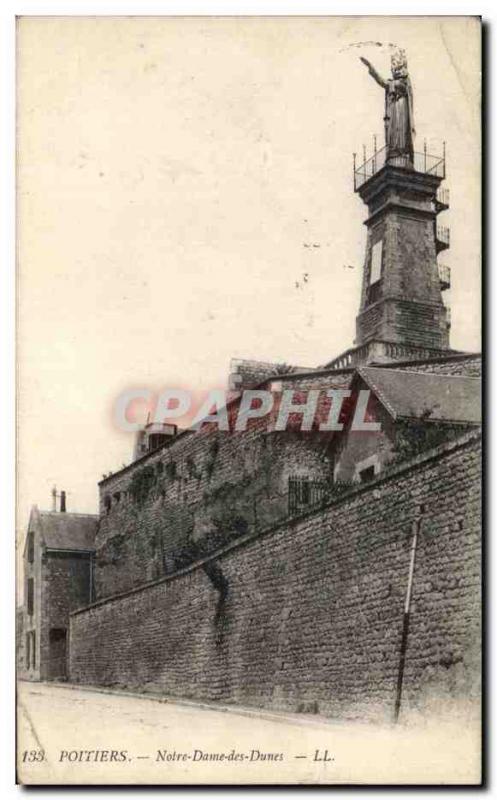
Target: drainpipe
{"type": "Point", "coordinates": [91, 577]}
{"type": "Point", "coordinates": [407, 609]}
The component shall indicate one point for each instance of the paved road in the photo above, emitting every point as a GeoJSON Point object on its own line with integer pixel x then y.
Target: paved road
{"type": "Point", "coordinates": [94, 737]}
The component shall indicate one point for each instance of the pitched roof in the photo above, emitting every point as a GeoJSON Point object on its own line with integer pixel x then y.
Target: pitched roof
{"type": "Point", "coordinates": [445, 398]}
{"type": "Point", "coordinates": [63, 531]}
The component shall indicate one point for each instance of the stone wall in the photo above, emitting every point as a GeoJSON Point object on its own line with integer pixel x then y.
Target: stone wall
{"type": "Point", "coordinates": [203, 489]}
{"type": "Point", "coordinates": [307, 615]}
{"type": "Point", "coordinates": [65, 587]}
{"type": "Point", "coordinates": [245, 373]}
{"type": "Point", "coordinates": [66, 579]}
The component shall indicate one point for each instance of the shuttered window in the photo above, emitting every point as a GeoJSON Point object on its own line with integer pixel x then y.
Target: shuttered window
{"type": "Point", "coordinates": [30, 596]}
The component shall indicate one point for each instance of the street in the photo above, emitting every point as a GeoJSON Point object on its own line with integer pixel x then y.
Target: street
{"type": "Point", "coordinates": [70, 735]}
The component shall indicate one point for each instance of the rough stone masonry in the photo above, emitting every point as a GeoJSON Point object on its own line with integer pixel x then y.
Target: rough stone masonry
{"type": "Point", "coordinates": [306, 615]}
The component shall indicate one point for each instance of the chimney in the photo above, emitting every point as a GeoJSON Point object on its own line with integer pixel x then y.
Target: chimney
{"type": "Point", "coordinates": [62, 502]}
{"type": "Point", "coordinates": [54, 498]}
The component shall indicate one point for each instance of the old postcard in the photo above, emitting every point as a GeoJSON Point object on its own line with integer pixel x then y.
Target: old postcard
{"type": "Point", "coordinates": [249, 415]}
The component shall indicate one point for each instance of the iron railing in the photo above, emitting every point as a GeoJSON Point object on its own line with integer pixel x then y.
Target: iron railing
{"type": "Point", "coordinates": [443, 197]}
{"type": "Point", "coordinates": [304, 493]}
{"type": "Point", "coordinates": [422, 162]}
{"type": "Point", "coordinates": [443, 236]}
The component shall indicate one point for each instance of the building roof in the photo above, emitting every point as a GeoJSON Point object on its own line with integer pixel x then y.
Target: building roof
{"type": "Point", "coordinates": [63, 531]}
{"type": "Point", "coordinates": [418, 395]}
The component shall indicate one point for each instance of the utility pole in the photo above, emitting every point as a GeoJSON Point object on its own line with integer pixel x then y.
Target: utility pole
{"type": "Point", "coordinates": [416, 525]}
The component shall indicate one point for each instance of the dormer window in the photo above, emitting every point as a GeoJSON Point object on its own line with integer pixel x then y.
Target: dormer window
{"type": "Point", "coordinates": [367, 469]}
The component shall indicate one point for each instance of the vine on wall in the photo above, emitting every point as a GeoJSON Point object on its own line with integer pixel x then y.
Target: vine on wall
{"type": "Point", "coordinates": [141, 484]}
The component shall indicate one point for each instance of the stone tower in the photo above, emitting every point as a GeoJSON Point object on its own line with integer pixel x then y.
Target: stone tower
{"type": "Point", "coordinates": [401, 298]}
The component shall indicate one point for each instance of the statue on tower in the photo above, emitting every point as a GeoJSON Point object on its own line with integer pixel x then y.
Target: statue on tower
{"type": "Point", "coordinates": [399, 115]}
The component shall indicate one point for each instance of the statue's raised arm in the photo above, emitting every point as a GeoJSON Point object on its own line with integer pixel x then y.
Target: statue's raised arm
{"type": "Point", "coordinates": [399, 114]}
{"type": "Point", "coordinates": [376, 75]}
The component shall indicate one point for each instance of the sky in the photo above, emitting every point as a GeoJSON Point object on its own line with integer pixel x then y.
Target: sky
{"type": "Point", "coordinates": [170, 173]}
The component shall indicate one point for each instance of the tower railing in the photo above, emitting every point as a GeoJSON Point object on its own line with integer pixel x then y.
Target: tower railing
{"type": "Point", "coordinates": [444, 276]}
{"type": "Point", "coordinates": [378, 351]}
{"type": "Point", "coordinates": [443, 197]}
{"type": "Point", "coordinates": [422, 162]}
{"type": "Point", "coordinates": [443, 236]}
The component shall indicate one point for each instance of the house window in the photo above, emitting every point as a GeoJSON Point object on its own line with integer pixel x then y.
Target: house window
{"type": "Point", "coordinates": [33, 648]}
{"type": "Point", "coordinates": [28, 650]}
{"type": "Point", "coordinates": [367, 474]}
{"type": "Point", "coordinates": [107, 503]}
{"type": "Point", "coordinates": [30, 596]}
{"type": "Point", "coordinates": [156, 440]}
{"type": "Point", "coordinates": [31, 547]}
{"type": "Point", "coordinates": [367, 469]}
